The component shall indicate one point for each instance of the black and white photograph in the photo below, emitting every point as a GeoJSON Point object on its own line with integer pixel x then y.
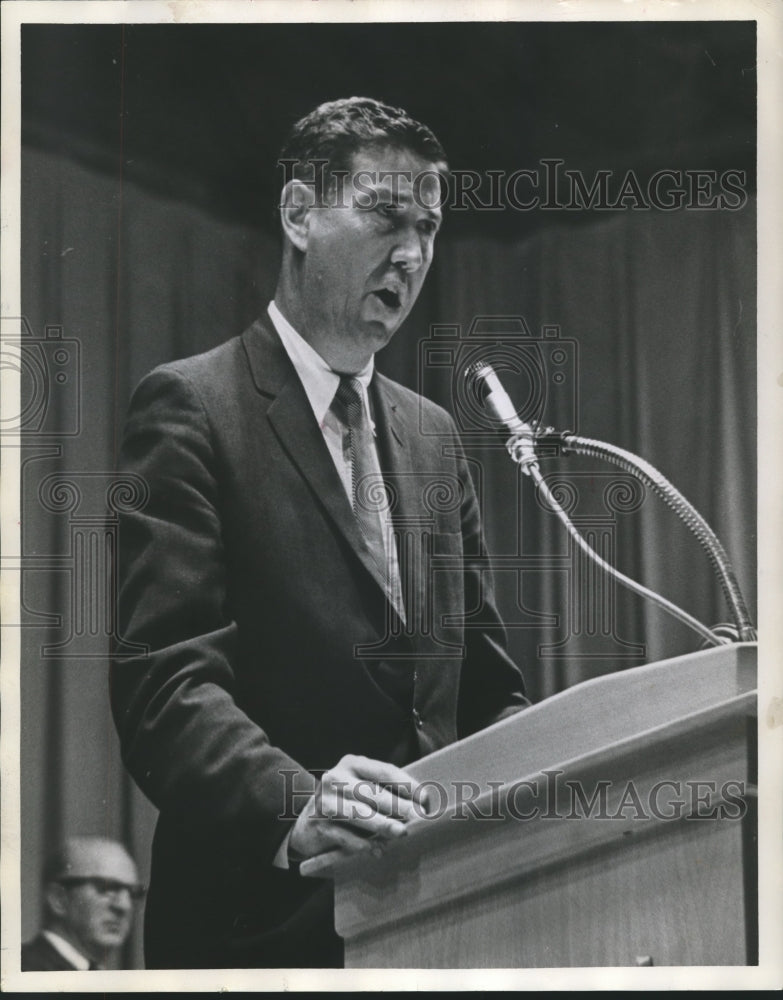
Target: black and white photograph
{"type": "Point", "coordinates": [390, 502]}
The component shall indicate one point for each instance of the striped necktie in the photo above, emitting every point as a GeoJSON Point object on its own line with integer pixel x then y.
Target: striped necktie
{"type": "Point", "coordinates": [368, 496]}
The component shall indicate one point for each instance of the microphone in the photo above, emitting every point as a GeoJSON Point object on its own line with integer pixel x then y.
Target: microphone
{"type": "Point", "coordinates": [483, 379]}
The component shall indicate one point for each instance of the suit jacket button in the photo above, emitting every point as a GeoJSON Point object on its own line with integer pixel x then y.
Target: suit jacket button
{"type": "Point", "coordinates": [417, 718]}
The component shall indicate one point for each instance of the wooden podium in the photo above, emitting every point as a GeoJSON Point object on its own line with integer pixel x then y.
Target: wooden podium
{"type": "Point", "coordinates": [610, 825]}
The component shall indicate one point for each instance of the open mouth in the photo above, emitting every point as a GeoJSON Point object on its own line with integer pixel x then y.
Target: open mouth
{"type": "Point", "coordinates": [389, 298]}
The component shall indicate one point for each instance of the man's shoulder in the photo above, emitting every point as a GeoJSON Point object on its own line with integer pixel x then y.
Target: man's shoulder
{"type": "Point", "coordinates": [38, 955]}
{"type": "Point", "coordinates": [211, 363]}
{"type": "Point", "coordinates": [215, 373]}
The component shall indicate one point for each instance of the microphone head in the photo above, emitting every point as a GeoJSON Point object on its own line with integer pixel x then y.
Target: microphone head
{"type": "Point", "coordinates": [490, 393]}
{"type": "Point", "coordinates": [481, 379]}
{"type": "Point", "coordinates": [478, 370]}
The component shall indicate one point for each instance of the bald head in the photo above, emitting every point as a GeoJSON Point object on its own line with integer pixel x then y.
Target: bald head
{"type": "Point", "coordinates": [90, 884]}
{"type": "Point", "coordinates": [91, 857]}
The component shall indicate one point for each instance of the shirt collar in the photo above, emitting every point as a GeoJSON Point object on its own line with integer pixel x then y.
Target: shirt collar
{"type": "Point", "coordinates": [67, 950]}
{"type": "Point", "coordinates": [319, 380]}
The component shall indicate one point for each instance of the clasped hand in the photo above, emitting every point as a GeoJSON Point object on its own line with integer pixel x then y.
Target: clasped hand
{"type": "Point", "coordinates": [360, 805]}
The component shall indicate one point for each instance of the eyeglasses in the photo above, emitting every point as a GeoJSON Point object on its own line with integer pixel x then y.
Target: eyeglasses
{"type": "Point", "coordinates": [104, 886]}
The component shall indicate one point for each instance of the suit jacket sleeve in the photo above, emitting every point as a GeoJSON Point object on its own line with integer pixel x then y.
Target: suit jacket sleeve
{"type": "Point", "coordinates": [184, 739]}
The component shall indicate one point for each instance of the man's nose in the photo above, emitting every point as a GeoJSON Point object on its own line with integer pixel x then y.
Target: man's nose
{"type": "Point", "coordinates": [408, 251]}
{"type": "Point", "coordinates": [120, 900]}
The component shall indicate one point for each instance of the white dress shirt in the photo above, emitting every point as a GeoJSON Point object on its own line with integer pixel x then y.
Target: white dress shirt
{"type": "Point", "coordinates": [67, 950]}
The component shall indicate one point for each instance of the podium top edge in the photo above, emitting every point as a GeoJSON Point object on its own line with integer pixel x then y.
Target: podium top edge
{"type": "Point", "coordinates": [723, 659]}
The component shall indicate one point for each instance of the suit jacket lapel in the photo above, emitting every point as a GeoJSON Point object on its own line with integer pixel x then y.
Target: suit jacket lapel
{"type": "Point", "coordinates": [292, 420]}
{"type": "Point", "coordinates": [394, 444]}
{"type": "Point", "coordinates": [409, 473]}
{"type": "Point", "coordinates": [414, 466]}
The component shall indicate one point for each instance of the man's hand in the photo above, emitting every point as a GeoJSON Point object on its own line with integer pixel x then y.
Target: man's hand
{"type": "Point", "coordinates": [359, 805]}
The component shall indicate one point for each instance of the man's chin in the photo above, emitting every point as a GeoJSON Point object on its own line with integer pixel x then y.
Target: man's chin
{"type": "Point", "coordinates": [111, 939]}
{"type": "Point", "coordinates": [382, 329]}
{"type": "Point", "coordinates": [388, 318]}
{"type": "Point", "coordinates": [365, 340]}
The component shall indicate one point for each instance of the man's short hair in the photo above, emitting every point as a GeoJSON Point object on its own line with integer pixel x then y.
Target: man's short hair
{"type": "Point", "coordinates": [55, 864]}
{"type": "Point", "coordinates": [325, 140]}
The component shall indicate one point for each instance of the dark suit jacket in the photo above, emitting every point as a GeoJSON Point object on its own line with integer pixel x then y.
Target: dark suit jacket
{"type": "Point", "coordinates": [38, 955]}
{"type": "Point", "coordinates": [272, 648]}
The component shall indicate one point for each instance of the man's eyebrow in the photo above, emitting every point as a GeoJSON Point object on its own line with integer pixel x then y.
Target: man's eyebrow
{"type": "Point", "coordinates": [387, 192]}
{"type": "Point", "coordinates": [387, 189]}
{"type": "Point", "coordinates": [406, 197]}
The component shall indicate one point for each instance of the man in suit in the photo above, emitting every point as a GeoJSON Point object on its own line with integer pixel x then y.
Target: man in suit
{"type": "Point", "coordinates": [89, 887]}
{"type": "Point", "coordinates": [304, 628]}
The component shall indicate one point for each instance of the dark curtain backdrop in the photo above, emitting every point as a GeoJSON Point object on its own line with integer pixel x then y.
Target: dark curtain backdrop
{"type": "Point", "coordinates": [658, 310]}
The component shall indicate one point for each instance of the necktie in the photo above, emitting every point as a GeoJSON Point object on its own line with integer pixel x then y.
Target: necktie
{"type": "Point", "coordinates": [368, 497]}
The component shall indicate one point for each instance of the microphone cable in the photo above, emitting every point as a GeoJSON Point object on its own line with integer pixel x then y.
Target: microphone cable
{"type": "Point", "coordinates": [533, 470]}
{"type": "Point", "coordinates": [521, 448]}
{"type": "Point", "coordinates": [686, 512]}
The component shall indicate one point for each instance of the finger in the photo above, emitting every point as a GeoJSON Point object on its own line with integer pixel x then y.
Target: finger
{"type": "Point", "coordinates": [383, 773]}
{"type": "Point", "coordinates": [347, 838]}
{"type": "Point", "coordinates": [369, 793]}
{"type": "Point", "coordinates": [378, 798]}
{"type": "Point", "coordinates": [412, 799]}
{"type": "Point", "coordinates": [362, 815]}
{"type": "Point", "coordinates": [320, 865]}
{"type": "Point", "coordinates": [403, 784]}
{"type": "Point", "coordinates": [319, 835]}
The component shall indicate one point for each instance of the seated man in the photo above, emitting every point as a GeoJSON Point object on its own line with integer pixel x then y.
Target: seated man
{"type": "Point", "coordinates": [89, 887]}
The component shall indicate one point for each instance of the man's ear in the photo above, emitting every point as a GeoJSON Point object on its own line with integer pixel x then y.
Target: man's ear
{"type": "Point", "coordinates": [56, 899]}
{"type": "Point", "coordinates": [296, 202]}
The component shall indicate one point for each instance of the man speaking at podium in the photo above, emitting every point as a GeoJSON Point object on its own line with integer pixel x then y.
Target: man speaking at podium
{"type": "Point", "coordinates": [299, 573]}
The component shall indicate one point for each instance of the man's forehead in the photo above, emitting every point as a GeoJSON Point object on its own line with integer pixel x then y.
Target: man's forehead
{"type": "Point", "coordinates": [99, 859]}
{"type": "Point", "coordinates": [400, 173]}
